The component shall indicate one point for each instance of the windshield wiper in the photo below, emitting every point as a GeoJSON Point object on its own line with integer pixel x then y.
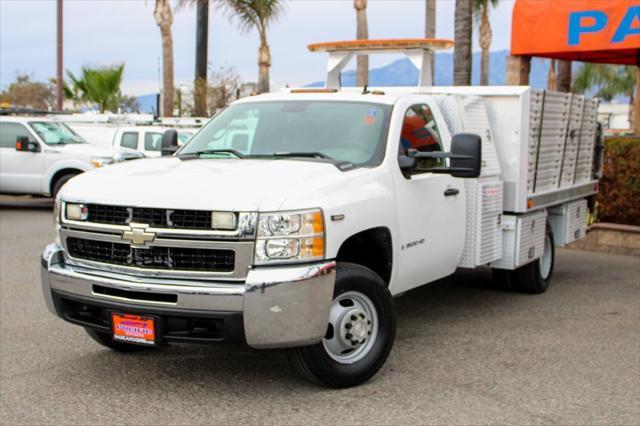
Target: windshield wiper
{"type": "Point", "coordinates": [341, 165]}
{"type": "Point", "coordinates": [302, 154]}
{"type": "Point", "coordinates": [69, 140]}
{"type": "Point", "coordinates": [215, 151]}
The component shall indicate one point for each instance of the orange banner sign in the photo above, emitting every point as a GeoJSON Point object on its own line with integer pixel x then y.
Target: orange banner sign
{"type": "Point", "coordinates": [586, 30]}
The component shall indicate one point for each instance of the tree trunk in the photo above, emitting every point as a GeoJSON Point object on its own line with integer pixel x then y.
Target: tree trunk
{"type": "Point", "coordinates": [164, 20]}
{"type": "Point", "coordinates": [200, 81]}
{"type": "Point", "coordinates": [362, 33]}
{"type": "Point", "coordinates": [564, 76]}
{"type": "Point", "coordinates": [462, 49]}
{"type": "Point", "coordinates": [486, 36]}
{"type": "Point", "coordinates": [552, 82]}
{"type": "Point", "coordinates": [430, 32]}
{"type": "Point", "coordinates": [264, 62]}
{"type": "Point", "coordinates": [635, 115]}
{"type": "Point", "coordinates": [518, 68]}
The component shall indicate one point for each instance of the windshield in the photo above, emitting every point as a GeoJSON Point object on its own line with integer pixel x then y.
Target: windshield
{"type": "Point", "coordinates": [183, 137]}
{"type": "Point", "coordinates": [342, 131]}
{"type": "Point", "coordinates": [54, 133]}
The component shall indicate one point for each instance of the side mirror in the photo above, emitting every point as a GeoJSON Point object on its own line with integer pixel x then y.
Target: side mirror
{"type": "Point", "coordinates": [407, 163]}
{"type": "Point", "coordinates": [466, 155]}
{"type": "Point", "coordinates": [25, 145]}
{"type": "Point", "coordinates": [169, 142]}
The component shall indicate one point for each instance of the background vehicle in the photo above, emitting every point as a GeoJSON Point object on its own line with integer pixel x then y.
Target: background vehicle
{"type": "Point", "coordinates": [337, 201]}
{"type": "Point", "coordinates": [144, 139]}
{"type": "Point", "coordinates": [39, 154]}
{"type": "Point", "coordinates": [147, 139]}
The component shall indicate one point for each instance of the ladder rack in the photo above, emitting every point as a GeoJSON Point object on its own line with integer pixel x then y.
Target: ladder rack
{"type": "Point", "coordinates": [418, 51]}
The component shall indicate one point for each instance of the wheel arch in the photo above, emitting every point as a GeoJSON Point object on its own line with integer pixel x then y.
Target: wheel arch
{"type": "Point", "coordinates": [371, 248]}
{"type": "Point", "coordinates": [62, 172]}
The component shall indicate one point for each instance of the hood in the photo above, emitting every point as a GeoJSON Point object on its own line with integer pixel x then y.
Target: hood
{"type": "Point", "coordinates": [82, 149]}
{"type": "Point", "coordinates": [201, 184]}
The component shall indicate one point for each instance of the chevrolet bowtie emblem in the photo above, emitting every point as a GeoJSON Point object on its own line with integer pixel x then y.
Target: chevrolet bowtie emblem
{"type": "Point", "coordinates": [138, 234]}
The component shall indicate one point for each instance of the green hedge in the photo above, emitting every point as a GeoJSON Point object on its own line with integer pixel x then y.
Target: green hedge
{"type": "Point", "coordinates": [619, 197]}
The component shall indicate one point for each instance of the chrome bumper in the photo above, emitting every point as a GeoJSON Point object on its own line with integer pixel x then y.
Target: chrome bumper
{"type": "Point", "coordinates": [281, 306]}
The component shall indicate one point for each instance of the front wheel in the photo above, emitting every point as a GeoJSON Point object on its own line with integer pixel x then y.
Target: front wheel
{"type": "Point", "coordinates": [59, 183]}
{"type": "Point", "coordinates": [360, 333]}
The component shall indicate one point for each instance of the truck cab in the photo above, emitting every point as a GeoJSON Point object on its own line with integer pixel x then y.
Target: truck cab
{"type": "Point", "coordinates": [300, 233]}
{"type": "Point", "coordinates": [39, 154]}
{"type": "Point", "coordinates": [146, 139]}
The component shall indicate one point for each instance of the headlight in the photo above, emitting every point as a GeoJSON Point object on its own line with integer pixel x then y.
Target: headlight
{"type": "Point", "coordinates": [76, 211]}
{"type": "Point", "coordinates": [56, 211]}
{"type": "Point", "coordinates": [57, 204]}
{"type": "Point", "coordinates": [101, 161]}
{"type": "Point", "coordinates": [290, 237]}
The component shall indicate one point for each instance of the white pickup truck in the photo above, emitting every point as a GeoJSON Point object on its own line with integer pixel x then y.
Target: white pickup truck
{"type": "Point", "coordinates": [143, 139]}
{"type": "Point", "coordinates": [338, 201]}
{"type": "Point", "coordinates": [39, 154]}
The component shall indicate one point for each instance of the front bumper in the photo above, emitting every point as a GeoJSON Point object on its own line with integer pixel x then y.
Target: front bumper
{"type": "Point", "coordinates": [275, 307]}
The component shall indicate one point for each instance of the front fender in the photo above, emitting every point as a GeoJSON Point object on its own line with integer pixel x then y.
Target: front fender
{"type": "Point", "coordinates": [66, 164]}
{"type": "Point", "coordinates": [360, 200]}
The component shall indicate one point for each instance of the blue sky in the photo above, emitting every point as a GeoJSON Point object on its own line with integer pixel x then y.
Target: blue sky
{"type": "Point", "coordinates": [103, 32]}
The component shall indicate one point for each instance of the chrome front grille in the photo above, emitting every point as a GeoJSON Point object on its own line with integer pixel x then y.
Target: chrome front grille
{"type": "Point", "coordinates": [165, 252]}
{"type": "Point", "coordinates": [182, 258]}
{"type": "Point", "coordinates": [164, 218]}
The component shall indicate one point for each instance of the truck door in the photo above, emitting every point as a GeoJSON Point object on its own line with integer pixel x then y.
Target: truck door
{"type": "Point", "coordinates": [152, 144]}
{"type": "Point", "coordinates": [20, 172]}
{"type": "Point", "coordinates": [431, 207]}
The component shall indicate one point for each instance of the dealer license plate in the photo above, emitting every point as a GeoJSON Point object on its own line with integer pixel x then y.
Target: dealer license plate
{"type": "Point", "coordinates": [133, 329]}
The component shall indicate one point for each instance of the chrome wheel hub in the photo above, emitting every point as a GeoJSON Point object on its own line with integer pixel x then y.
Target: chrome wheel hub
{"type": "Point", "coordinates": [353, 326]}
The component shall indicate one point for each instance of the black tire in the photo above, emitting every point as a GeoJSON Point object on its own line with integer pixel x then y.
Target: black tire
{"type": "Point", "coordinates": [314, 362]}
{"type": "Point", "coordinates": [59, 183]}
{"type": "Point", "coordinates": [529, 278]}
{"type": "Point", "coordinates": [504, 279]}
{"type": "Point", "coordinates": [105, 340]}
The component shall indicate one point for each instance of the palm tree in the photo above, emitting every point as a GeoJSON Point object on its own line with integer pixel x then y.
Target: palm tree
{"type": "Point", "coordinates": [258, 14]}
{"type": "Point", "coordinates": [462, 49]}
{"type": "Point", "coordinates": [564, 76]}
{"type": "Point", "coordinates": [430, 31]}
{"type": "Point", "coordinates": [609, 81]}
{"type": "Point", "coordinates": [164, 19]}
{"type": "Point", "coordinates": [99, 86]}
{"type": "Point", "coordinates": [481, 13]}
{"type": "Point", "coordinates": [552, 81]}
{"type": "Point", "coordinates": [362, 33]}
{"type": "Point", "coordinates": [202, 36]}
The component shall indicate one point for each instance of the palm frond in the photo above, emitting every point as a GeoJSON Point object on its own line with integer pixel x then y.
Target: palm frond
{"type": "Point", "coordinates": [478, 6]}
{"type": "Point", "coordinates": [608, 81]}
{"type": "Point", "coordinates": [251, 14]}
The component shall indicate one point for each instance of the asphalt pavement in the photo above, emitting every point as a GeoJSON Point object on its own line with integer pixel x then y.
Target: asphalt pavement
{"type": "Point", "coordinates": [465, 353]}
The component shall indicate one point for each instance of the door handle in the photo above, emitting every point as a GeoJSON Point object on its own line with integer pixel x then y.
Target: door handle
{"type": "Point", "coordinates": [451, 191]}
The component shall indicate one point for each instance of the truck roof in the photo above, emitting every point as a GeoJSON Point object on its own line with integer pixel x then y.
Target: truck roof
{"type": "Point", "coordinates": [319, 95]}
{"type": "Point", "coordinates": [381, 95]}
{"type": "Point", "coordinates": [26, 118]}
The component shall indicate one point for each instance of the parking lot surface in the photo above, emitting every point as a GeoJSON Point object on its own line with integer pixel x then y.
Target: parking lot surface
{"type": "Point", "coordinates": [464, 354]}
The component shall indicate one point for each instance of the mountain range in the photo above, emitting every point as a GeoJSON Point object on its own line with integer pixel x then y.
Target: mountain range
{"type": "Point", "coordinates": [403, 73]}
